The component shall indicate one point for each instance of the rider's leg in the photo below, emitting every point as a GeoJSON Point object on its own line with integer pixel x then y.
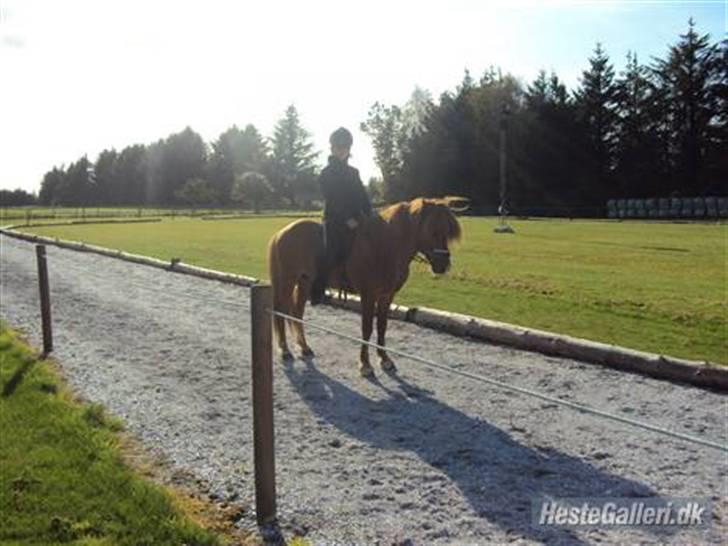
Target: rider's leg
{"type": "Point", "coordinates": [332, 257]}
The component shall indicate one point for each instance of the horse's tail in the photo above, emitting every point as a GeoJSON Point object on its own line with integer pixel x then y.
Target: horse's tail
{"type": "Point", "coordinates": [275, 273]}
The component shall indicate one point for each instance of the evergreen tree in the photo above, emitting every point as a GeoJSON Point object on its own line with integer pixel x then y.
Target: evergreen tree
{"type": "Point", "coordinates": [49, 187]}
{"type": "Point", "coordinates": [293, 160]}
{"type": "Point", "coordinates": [638, 170]}
{"type": "Point", "coordinates": [384, 126]}
{"type": "Point", "coordinates": [130, 176]}
{"type": "Point", "coordinates": [692, 82]}
{"type": "Point", "coordinates": [717, 151]}
{"type": "Point", "coordinates": [105, 170]}
{"type": "Point", "coordinates": [596, 104]}
{"type": "Point", "coordinates": [415, 112]}
{"type": "Point", "coordinates": [554, 152]}
{"type": "Point", "coordinates": [497, 94]}
{"type": "Point", "coordinates": [537, 94]}
{"type": "Point", "coordinates": [75, 188]}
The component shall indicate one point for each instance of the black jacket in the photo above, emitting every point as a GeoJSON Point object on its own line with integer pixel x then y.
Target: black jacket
{"type": "Point", "coordinates": [343, 192]}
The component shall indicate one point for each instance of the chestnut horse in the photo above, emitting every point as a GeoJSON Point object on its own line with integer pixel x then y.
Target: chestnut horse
{"type": "Point", "coordinates": [378, 266]}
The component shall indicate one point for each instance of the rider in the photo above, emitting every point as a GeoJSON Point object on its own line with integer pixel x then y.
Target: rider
{"type": "Point", "coordinates": [346, 202]}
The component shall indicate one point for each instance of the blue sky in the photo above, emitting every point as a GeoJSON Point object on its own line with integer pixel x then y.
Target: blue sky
{"type": "Point", "coordinates": [79, 76]}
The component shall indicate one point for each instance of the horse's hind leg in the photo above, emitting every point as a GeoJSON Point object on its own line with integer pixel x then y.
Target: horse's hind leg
{"type": "Point", "coordinates": [301, 295]}
{"type": "Point", "coordinates": [382, 316]}
{"type": "Point", "coordinates": [367, 320]}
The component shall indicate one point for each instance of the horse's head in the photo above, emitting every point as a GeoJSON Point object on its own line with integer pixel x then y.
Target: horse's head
{"type": "Point", "coordinates": [437, 227]}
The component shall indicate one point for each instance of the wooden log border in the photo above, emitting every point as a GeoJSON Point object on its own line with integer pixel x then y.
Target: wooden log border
{"type": "Point", "coordinates": [253, 216]}
{"type": "Point", "coordinates": [701, 374]}
{"type": "Point", "coordinates": [88, 222]}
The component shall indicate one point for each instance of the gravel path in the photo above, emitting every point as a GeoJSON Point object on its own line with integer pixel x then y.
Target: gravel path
{"type": "Point", "coordinates": [421, 456]}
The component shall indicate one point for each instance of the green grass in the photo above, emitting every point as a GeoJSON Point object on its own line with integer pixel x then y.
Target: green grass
{"type": "Point", "coordinates": [650, 286]}
{"type": "Point", "coordinates": [62, 479]}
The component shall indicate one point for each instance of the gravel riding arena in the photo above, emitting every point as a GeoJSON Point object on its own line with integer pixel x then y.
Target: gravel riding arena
{"type": "Point", "coordinates": [417, 457]}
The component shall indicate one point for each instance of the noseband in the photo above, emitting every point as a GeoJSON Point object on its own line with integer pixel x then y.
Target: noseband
{"type": "Point", "coordinates": [434, 253]}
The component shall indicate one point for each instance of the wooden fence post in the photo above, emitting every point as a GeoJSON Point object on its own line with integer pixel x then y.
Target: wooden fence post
{"type": "Point", "coordinates": [261, 305]}
{"type": "Point", "coordinates": [45, 298]}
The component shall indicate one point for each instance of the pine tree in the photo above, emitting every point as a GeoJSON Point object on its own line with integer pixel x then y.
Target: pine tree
{"type": "Point", "coordinates": [49, 188]}
{"type": "Point", "coordinates": [537, 94]}
{"type": "Point", "coordinates": [596, 105]}
{"type": "Point", "coordinates": [105, 177]}
{"type": "Point", "coordinates": [639, 162]}
{"type": "Point", "coordinates": [75, 188]}
{"type": "Point", "coordinates": [293, 168]}
{"type": "Point", "coordinates": [130, 176]}
{"type": "Point", "coordinates": [384, 126]}
{"type": "Point", "coordinates": [415, 112]}
{"type": "Point", "coordinates": [554, 156]}
{"type": "Point", "coordinates": [691, 81]}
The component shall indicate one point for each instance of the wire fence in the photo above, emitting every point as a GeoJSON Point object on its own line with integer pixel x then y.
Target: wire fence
{"type": "Point", "coordinates": [513, 388]}
{"type": "Point", "coordinates": [582, 408]}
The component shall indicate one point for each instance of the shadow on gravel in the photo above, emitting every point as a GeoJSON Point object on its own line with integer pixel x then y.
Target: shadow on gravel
{"type": "Point", "coordinates": [498, 476]}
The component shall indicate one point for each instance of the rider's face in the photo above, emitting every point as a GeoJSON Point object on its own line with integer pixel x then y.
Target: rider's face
{"type": "Point", "coordinates": [341, 153]}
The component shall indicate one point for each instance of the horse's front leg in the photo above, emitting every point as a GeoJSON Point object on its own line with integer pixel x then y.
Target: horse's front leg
{"type": "Point", "coordinates": [367, 324]}
{"type": "Point", "coordinates": [382, 315]}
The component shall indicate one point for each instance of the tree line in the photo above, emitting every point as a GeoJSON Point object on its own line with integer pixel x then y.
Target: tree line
{"type": "Point", "coordinates": [240, 167]}
{"type": "Point", "coordinates": [652, 130]}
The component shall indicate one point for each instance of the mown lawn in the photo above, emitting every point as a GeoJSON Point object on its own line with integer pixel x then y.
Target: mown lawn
{"type": "Point", "coordinates": [650, 286]}
{"type": "Point", "coordinates": [62, 479]}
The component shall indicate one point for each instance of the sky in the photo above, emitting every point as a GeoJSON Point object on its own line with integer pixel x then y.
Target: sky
{"type": "Point", "coordinates": [79, 76]}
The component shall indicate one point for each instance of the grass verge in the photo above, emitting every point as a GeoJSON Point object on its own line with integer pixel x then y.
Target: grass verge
{"type": "Point", "coordinates": [63, 479]}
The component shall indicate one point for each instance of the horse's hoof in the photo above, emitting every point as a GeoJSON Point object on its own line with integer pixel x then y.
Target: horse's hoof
{"type": "Point", "coordinates": [286, 355]}
{"type": "Point", "coordinates": [366, 370]}
{"type": "Point", "coordinates": [307, 352]}
{"type": "Point", "coordinates": [387, 365]}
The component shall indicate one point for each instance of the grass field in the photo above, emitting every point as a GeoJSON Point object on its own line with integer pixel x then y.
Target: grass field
{"type": "Point", "coordinates": [62, 478]}
{"type": "Point", "coordinates": [650, 286]}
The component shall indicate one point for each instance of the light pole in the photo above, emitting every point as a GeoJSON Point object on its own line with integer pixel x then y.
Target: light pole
{"type": "Point", "coordinates": [91, 179]}
{"type": "Point", "coordinates": [502, 226]}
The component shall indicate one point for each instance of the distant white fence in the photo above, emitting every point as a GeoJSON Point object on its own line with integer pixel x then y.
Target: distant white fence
{"type": "Point", "coordinates": [669, 207]}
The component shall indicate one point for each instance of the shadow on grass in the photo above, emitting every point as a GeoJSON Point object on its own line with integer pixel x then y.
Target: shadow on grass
{"type": "Point", "coordinates": [498, 477]}
{"type": "Point", "coordinates": [17, 377]}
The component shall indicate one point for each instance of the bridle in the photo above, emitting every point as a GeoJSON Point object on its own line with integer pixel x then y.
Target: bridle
{"type": "Point", "coordinates": [424, 256]}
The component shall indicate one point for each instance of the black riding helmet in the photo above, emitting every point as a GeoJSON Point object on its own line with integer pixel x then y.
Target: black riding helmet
{"type": "Point", "coordinates": [341, 138]}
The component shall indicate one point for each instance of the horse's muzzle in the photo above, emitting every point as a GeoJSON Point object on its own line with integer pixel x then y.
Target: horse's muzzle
{"type": "Point", "coordinates": [439, 259]}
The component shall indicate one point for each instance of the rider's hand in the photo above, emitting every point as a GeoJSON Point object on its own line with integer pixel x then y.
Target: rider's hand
{"type": "Point", "coordinates": [351, 223]}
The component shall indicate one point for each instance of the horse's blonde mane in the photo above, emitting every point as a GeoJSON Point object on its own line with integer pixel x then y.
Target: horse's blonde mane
{"type": "Point", "coordinates": [422, 206]}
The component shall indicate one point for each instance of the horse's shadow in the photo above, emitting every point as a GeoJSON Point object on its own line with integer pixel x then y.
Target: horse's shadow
{"type": "Point", "coordinates": [498, 476]}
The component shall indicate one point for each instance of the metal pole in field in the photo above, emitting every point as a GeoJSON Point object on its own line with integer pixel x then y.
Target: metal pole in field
{"type": "Point", "coordinates": [261, 305]}
{"type": "Point", "coordinates": [502, 226]}
{"type": "Point", "coordinates": [45, 298]}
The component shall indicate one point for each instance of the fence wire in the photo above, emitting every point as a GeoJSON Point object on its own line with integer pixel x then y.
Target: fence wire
{"type": "Point", "coordinates": [513, 388]}
{"type": "Point", "coordinates": [448, 369]}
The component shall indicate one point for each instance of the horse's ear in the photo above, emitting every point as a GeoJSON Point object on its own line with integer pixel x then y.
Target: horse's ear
{"type": "Point", "coordinates": [456, 203]}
